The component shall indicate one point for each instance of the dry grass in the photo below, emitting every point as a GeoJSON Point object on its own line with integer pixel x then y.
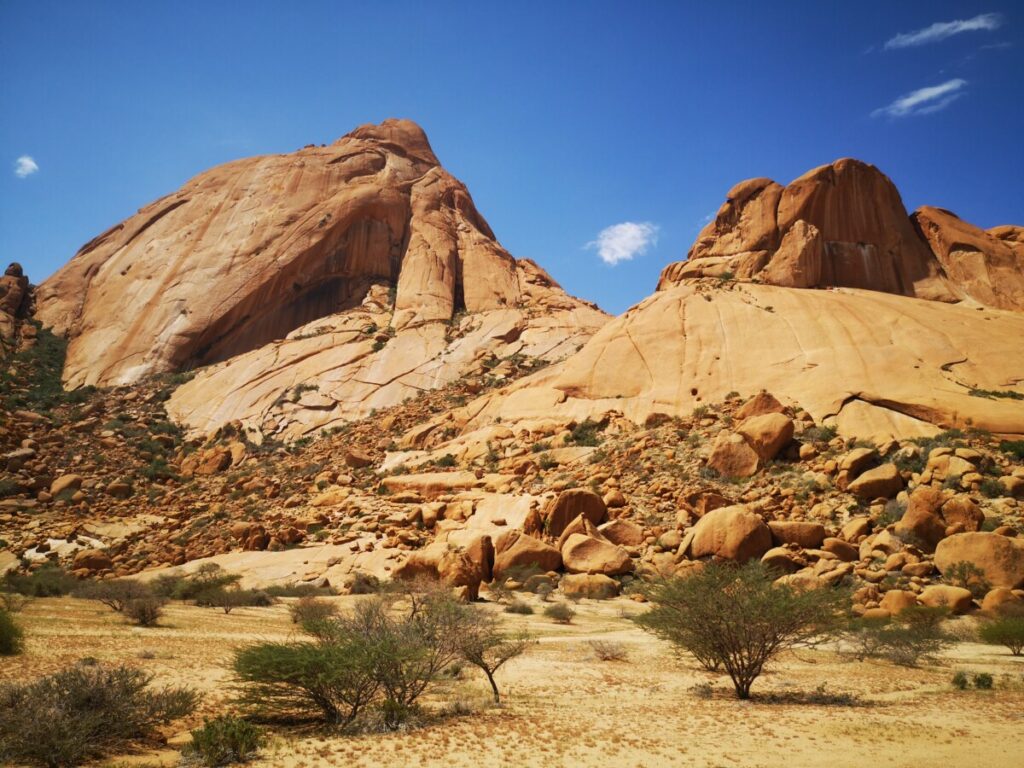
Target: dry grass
{"type": "Point", "coordinates": [564, 709]}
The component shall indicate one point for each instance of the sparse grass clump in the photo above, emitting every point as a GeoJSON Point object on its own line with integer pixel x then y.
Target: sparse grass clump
{"type": "Point", "coordinates": [561, 613]}
{"type": "Point", "coordinates": [225, 740]}
{"type": "Point", "coordinates": [83, 712]}
{"type": "Point", "coordinates": [608, 650]}
{"type": "Point", "coordinates": [520, 607]}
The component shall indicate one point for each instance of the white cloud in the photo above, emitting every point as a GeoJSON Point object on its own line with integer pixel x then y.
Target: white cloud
{"type": "Point", "coordinates": [622, 242]}
{"type": "Point", "coordinates": [940, 30]}
{"type": "Point", "coordinates": [924, 101]}
{"type": "Point", "coordinates": [25, 166]}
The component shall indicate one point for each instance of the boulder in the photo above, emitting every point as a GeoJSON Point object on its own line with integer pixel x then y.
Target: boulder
{"type": "Point", "coordinates": [957, 599]}
{"type": "Point", "coordinates": [519, 551]}
{"type": "Point", "coordinates": [921, 523]}
{"type": "Point", "coordinates": [92, 560]}
{"type": "Point", "coordinates": [767, 434]}
{"type": "Point", "coordinates": [356, 458]}
{"type": "Point", "coordinates": [1002, 599]}
{"type": "Point", "coordinates": [67, 484]}
{"type": "Point", "coordinates": [882, 482]}
{"type": "Point", "coordinates": [622, 532]}
{"type": "Point", "coordinates": [732, 456]}
{"type": "Point", "coordinates": [803, 534]}
{"type": "Point", "coordinates": [583, 554]}
{"type": "Point", "coordinates": [758, 405]}
{"type": "Point", "coordinates": [1000, 558]}
{"type": "Point", "coordinates": [730, 533]}
{"type": "Point", "coordinates": [570, 504]}
{"type": "Point", "coordinates": [595, 586]}
{"type": "Point", "coordinates": [895, 601]}
{"type": "Point", "coordinates": [962, 514]}
{"type": "Point", "coordinates": [844, 550]}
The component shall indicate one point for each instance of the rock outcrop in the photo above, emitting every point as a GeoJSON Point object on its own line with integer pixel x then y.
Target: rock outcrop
{"type": "Point", "coordinates": [844, 225]}
{"type": "Point", "coordinates": [318, 285]}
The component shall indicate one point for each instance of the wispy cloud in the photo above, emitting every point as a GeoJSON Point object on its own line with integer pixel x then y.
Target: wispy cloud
{"type": "Point", "coordinates": [924, 101]}
{"type": "Point", "coordinates": [940, 30]}
{"type": "Point", "coordinates": [25, 166]}
{"type": "Point", "coordinates": [622, 242]}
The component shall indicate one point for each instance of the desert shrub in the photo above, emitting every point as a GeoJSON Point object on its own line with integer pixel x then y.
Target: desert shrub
{"type": "Point", "coordinates": [229, 599]}
{"type": "Point", "coordinates": [905, 640]}
{"type": "Point", "coordinates": [482, 643]}
{"type": "Point", "coordinates": [992, 489]}
{"type": "Point", "coordinates": [309, 610]}
{"type": "Point", "coordinates": [298, 590]}
{"type": "Point", "coordinates": [82, 712]}
{"type": "Point", "coordinates": [202, 585]}
{"type": "Point", "coordinates": [1014, 448]}
{"type": "Point", "coordinates": [520, 607]}
{"type": "Point", "coordinates": [12, 602]}
{"type": "Point", "coordinates": [983, 681]}
{"type": "Point", "coordinates": [891, 514]}
{"type": "Point", "coordinates": [364, 584]}
{"type": "Point", "coordinates": [11, 635]}
{"type": "Point", "coordinates": [960, 681]}
{"type": "Point", "coordinates": [561, 613]}
{"type": "Point", "coordinates": [47, 581]}
{"type": "Point", "coordinates": [144, 611]}
{"type": "Point", "coordinates": [586, 433]}
{"type": "Point", "coordinates": [1006, 629]}
{"type": "Point", "coordinates": [225, 740]}
{"type": "Point", "coordinates": [608, 650]}
{"type": "Point", "coordinates": [115, 594]}
{"type": "Point", "coordinates": [739, 617]}
{"type": "Point", "coordinates": [969, 576]}
{"type": "Point", "coordinates": [372, 656]}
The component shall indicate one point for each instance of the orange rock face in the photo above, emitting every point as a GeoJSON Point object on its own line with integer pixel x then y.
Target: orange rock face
{"type": "Point", "coordinates": [844, 225]}
{"type": "Point", "coordinates": [273, 267]}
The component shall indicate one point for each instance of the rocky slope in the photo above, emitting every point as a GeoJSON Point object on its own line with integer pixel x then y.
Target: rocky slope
{"type": "Point", "coordinates": [319, 285]}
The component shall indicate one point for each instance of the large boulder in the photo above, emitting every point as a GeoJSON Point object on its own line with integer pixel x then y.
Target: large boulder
{"type": "Point", "coordinates": [519, 551]}
{"type": "Point", "coordinates": [922, 523]}
{"type": "Point", "coordinates": [583, 554]}
{"type": "Point", "coordinates": [767, 434]}
{"type": "Point", "coordinates": [568, 505]}
{"type": "Point", "coordinates": [802, 533]}
{"type": "Point", "coordinates": [881, 482]}
{"type": "Point", "coordinates": [622, 532]}
{"type": "Point", "coordinates": [957, 599]}
{"type": "Point", "coordinates": [730, 533]}
{"type": "Point", "coordinates": [732, 456]}
{"type": "Point", "coordinates": [92, 560]}
{"type": "Point", "coordinates": [1000, 558]}
{"type": "Point", "coordinates": [595, 586]}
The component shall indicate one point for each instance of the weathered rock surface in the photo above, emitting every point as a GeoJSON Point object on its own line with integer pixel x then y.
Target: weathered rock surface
{"type": "Point", "coordinates": [275, 271]}
{"type": "Point", "coordinates": [584, 554]}
{"type": "Point", "coordinates": [839, 354]}
{"type": "Point", "coordinates": [1001, 558]}
{"type": "Point", "coordinates": [844, 225]}
{"type": "Point", "coordinates": [731, 533]}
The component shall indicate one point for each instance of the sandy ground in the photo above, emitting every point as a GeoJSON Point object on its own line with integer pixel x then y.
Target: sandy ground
{"type": "Point", "coordinates": [564, 708]}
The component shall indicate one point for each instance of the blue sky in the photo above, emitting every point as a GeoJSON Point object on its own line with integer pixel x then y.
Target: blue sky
{"type": "Point", "coordinates": [563, 119]}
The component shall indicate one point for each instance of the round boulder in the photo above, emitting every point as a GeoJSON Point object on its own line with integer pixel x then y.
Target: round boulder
{"type": "Point", "coordinates": [731, 533]}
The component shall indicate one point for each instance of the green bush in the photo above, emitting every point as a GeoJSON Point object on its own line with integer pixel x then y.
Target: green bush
{"type": "Point", "coordinates": [145, 611]}
{"type": "Point", "coordinates": [1014, 448]}
{"type": "Point", "coordinates": [905, 640]}
{"type": "Point", "coordinates": [83, 712]}
{"type": "Point", "coordinates": [586, 433]}
{"type": "Point", "coordinates": [298, 590]}
{"type": "Point", "coordinates": [229, 599]}
{"type": "Point", "coordinates": [738, 617]}
{"type": "Point", "coordinates": [225, 740]}
{"type": "Point", "coordinates": [983, 681]}
{"type": "Point", "coordinates": [11, 635]}
{"type": "Point", "coordinates": [46, 581]}
{"type": "Point", "coordinates": [960, 681]}
{"type": "Point", "coordinates": [968, 576]}
{"type": "Point", "coordinates": [1007, 629]}
{"type": "Point", "coordinates": [309, 610]}
{"type": "Point", "coordinates": [562, 613]}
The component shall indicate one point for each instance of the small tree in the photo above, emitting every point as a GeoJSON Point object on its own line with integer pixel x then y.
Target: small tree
{"type": "Point", "coordinates": [1006, 629]}
{"type": "Point", "coordinates": [484, 645]}
{"type": "Point", "coordinates": [738, 617]}
{"type": "Point", "coordinates": [115, 594]}
{"type": "Point", "coordinates": [915, 634]}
